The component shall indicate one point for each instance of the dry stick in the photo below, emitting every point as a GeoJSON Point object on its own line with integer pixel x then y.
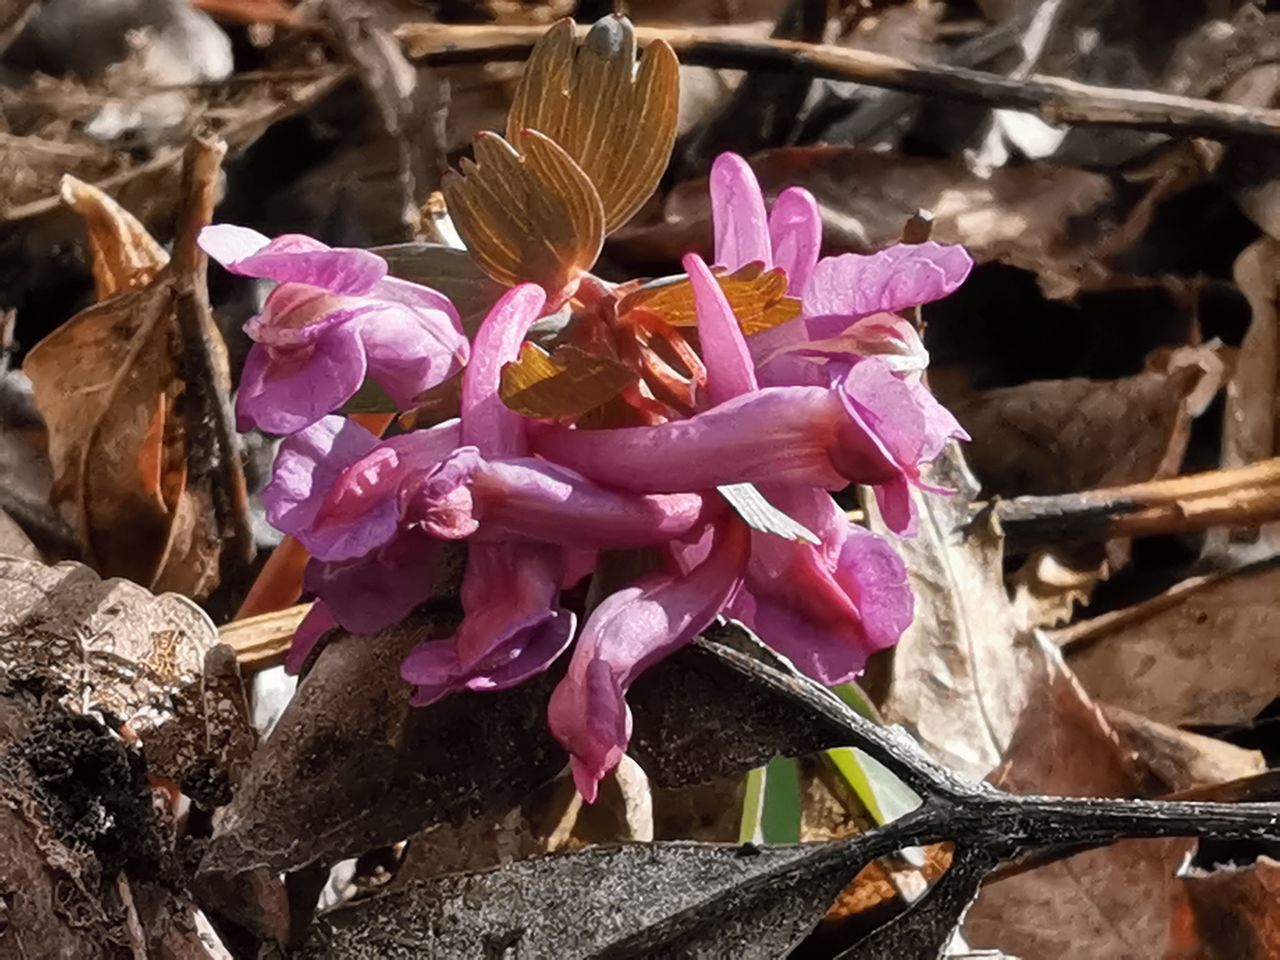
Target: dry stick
{"type": "Point", "coordinates": [1240, 496]}
{"type": "Point", "coordinates": [214, 443]}
{"type": "Point", "coordinates": [1053, 99]}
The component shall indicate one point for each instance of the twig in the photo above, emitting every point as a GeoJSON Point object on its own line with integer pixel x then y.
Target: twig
{"type": "Point", "coordinates": [1053, 99]}
{"type": "Point", "coordinates": [262, 641]}
{"type": "Point", "coordinates": [214, 443]}
{"type": "Point", "coordinates": [878, 112]}
{"type": "Point", "coordinates": [1241, 496]}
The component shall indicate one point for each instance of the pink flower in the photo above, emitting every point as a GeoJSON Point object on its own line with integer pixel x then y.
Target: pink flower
{"type": "Point", "coordinates": [869, 426]}
{"type": "Point", "coordinates": [512, 625]}
{"type": "Point", "coordinates": [342, 492]}
{"type": "Point", "coordinates": [788, 237]}
{"type": "Point", "coordinates": [826, 608]}
{"type": "Point", "coordinates": [631, 630]}
{"type": "Point", "coordinates": [333, 318]}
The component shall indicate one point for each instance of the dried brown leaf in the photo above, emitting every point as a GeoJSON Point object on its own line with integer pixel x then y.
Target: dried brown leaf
{"type": "Point", "coordinates": [1249, 422]}
{"type": "Point", "coordinates": [110, 385]}
{"type": "Point", "coordinates": [1205, 655]}
{"type": "Point", "coordinates": [758, 298]}
{"type": "Point", "coordinates": [569, 383]}
{"type": "Point", "coordinates": [1237, 911]}
{"type": "Point", "coordinates": [1119, 901]}
{"type": "Point", "coordinates": [1181, 760]}
{"type": "Point", "coordinates": [616, 120]}
{"type": "Point", "coordinates": [125, 256]}
{"type": "Point", "coordinates": [993, 701]}
{"type": "Point", "coordinates": [529, 215]}
{"type": "Point", "coordinates": [961, 675]}
{"type": "Point", "coordinates": [1060, 436]}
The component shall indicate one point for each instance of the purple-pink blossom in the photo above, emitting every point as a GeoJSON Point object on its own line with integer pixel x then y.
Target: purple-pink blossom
{"type": "Point", "coordinates": [833, 397]}
{"type": "Point", "coordinates": [333, 318]}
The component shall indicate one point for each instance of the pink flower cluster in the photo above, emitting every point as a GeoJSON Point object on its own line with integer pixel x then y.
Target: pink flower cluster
{"type": "Point", "coordinates": [832, 397]}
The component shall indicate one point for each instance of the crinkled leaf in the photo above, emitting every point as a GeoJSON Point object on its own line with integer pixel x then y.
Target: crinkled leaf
{"type": "Point", "coordinates": [616, 120]}
{"type": "Point", "coordinates": [124, 255]}
{"type": "Point", "coordinates": [529, 215]}
{"type": "Point", "coordinates": [757, 296]}
{"type": "Point", "coordinates": [569, 383]}
{"type": "Point", "coordinates": [112, 384]}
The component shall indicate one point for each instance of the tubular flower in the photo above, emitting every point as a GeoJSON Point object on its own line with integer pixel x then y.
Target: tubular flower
{"type": "Point", "coordinates": [832, 397]}
{"type": "Point", "coordinates": [333, 317]}
{"type": "Point", "coordinates": [512, 625]}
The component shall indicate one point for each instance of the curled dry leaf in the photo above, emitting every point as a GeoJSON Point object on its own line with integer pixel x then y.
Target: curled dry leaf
{"type": "Point", "coordinates": [1203, 653]}
{"type": "Point", "coordinates": [569, 383]}
{"type": "Point", "coordinates": [124, 255]}
{"type": "Point", "coordinates": [1060, 436]}
{"type": "Point", "coordinates": [616, 120]}
{"type": "Point", "coordinates": [757, 296]}
{"type": "Point", "coordinates": [120, 394]}
{"type": "Point", "coordinates": [528, 215]}
{"type": "Point", "coordinates": [1237, 911]}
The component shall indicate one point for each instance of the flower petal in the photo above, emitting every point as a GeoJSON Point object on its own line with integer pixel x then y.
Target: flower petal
{"type": "Point", "coordinates": [226, 243]}
{"type": "Point", "coordinates": [508, 590]}
{"type": "Point", "coordinates": [373, 592]}
{"type": "Point", "coordinates": [295, 314]}
{"type": "Point", "coordinates": [730, 372]}
{"type": "Point", "coordinates": [536, 500]}
{"type": "Point", "coordinates": [630, 631]}
{"type": "Point", "coordinates": [786, 354]}
{"type": "Point", "coordinates": [284, 391]}
{"type": "Point", "coordinates": [337, 489]}
{"type": "Point", "coordinates": [738, 214]}
{"type": "Point", "coordinates": [774, 435]}
{"type": "Point", "coordinates": [416, 297]}
{"type": "Point", "coordinates": [314, 625]}
{"type": "Point", "coordinates": [410, 352]}
{"type": "Point", "coordinates": [439, 501]}
{"type": "Point", "coordinates": [486, 422]}
{"type": "Point", "coordinates": [306, 468]}
{"type": "Point", "coordinates": [905, 275]}
{"type": "Point", "coordinates": [795, 232]}
{"type": "Point", "coordinates": [826, 608]}
{"type": "Point", "coordinates": [293, 258]}
{"type": "Point", "coordinates": [511, 629]}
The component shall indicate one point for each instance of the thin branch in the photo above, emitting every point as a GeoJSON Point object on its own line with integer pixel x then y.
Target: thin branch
{"type": "Point", "coordinates": [1053, 99]}
{"type": "Point", "coordinates": [1241, 496]}
{"type": "Point", "coordinates": [214, 443]}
